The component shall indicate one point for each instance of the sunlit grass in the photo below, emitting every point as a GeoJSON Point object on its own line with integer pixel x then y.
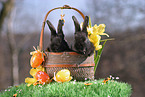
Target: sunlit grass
{"type": "Point", "coordinates": [71, 89]}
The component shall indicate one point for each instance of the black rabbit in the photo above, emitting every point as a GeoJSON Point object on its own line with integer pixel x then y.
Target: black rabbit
{"type": "Point", "coordinates": [82, 43]}
{"type": "Point", "coordinates": [58, 44]}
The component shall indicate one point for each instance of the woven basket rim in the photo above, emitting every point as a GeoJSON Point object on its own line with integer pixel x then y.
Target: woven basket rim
{"type": "Point", "coordinates": [60, 53]}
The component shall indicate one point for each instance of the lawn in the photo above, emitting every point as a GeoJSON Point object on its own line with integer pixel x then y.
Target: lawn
{"type": "Point", "coordinates": [71, 89]}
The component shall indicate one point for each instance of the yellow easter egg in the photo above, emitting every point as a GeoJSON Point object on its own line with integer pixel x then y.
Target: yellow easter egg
{"type": "Point", "coordinates": [63, 76]}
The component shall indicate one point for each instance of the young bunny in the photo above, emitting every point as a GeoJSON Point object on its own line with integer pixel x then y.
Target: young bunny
{"type": "Point", "coordinates": [82, 43]}
{"type": "Point", "coordinates": [58, 44]}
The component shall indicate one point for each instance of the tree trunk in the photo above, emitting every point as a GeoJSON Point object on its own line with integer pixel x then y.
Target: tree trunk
{"type": "Point", "coordinates": [13, 47]}
{"type": "Point", "coordinates": [7, 6]}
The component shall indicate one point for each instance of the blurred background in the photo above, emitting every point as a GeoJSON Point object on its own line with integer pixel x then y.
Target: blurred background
{"type": "Point", "coordinates": [20, 27]}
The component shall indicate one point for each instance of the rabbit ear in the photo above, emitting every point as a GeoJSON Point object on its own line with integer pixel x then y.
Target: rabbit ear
{"type": "Point", "coordinates": [76, 23]}
{"type": "Point", "coordinates": [85, 24]}
{"type": "Point", "coordinates": [51, 27]}
{"type": "Point", "coordinates": [59, 28]}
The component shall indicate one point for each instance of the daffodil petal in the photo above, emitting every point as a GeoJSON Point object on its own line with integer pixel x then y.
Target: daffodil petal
{"type": "Point", "coordinates": [29, 85]}
{"type": "Point", "coordinates": [104, 34]}
{"type": "Point", "coordinates": [70, 78]}
{"type": "Point", "coordinates": [89, 30]}
{"type": "Point", "coordinates": [94, 34]}
{"type": "Point", "coordinates": [30, 80]}
{"type": "Point", "coordinates": [40, 68]}
{"type": "Point", "coordinates": [54, 77]}
{"type": "Point", "coordinates": [101, 28]}
{"type": "Point", "coordinates": [33, 72]}
{"type": "Point", "coordinates": [95, 29]}
{"type": "Point", "coordinates": [98, 47]}
{"type": "Point", "coordinates": [94, 39]}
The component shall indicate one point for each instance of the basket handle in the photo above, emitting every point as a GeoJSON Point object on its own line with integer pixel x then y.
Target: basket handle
{"type": "Point", "coordinates": [43, 25]}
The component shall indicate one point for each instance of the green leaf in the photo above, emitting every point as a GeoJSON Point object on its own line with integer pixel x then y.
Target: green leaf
{"type": "Point", "coordinates": [107, 39]}
{"type": "Point", "coordinates": [97, 57]}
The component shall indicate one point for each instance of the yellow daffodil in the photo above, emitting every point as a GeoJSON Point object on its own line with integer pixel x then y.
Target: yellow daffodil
{"type": "Point", "coordinates": [62, 76]}
{"type": "Point", "coordinates": [94, 35]}
{"type": "Point", "coordinates": [30, 81]}
{"type": "Point", "coordinates": [97, 30]}
{"type": "Point", "coordinates": [95, 39]}
{"type": "Point", "coordinates": [33, 73]}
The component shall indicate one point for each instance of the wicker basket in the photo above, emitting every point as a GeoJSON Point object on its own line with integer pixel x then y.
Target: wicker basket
{"type": "Point", "coordinates": [81, 67]}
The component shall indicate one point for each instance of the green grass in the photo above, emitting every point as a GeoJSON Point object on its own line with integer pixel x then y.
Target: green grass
{"type": "Point", "coordinates": [71, 89]}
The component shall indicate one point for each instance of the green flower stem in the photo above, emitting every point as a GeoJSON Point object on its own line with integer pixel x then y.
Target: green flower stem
{"type": "Point", "coordinates": [97, 57]}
